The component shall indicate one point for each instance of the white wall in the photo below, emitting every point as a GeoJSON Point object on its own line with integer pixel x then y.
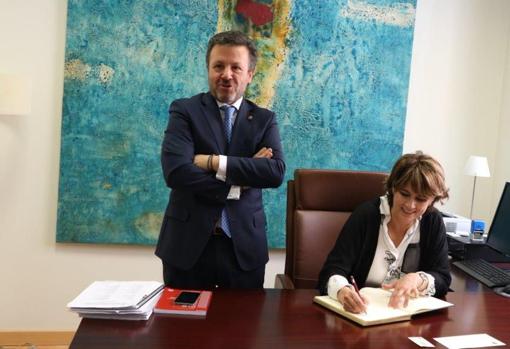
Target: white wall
{"type": "Point", "coordinates": [459, 105]}
{"type": "Point", "coordinates": [502, 163]}
{"type": "Point", "coordinates": [460, 57]}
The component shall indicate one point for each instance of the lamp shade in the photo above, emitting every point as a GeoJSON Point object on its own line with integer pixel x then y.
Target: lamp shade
{"type": "Point", "coordinates": [15, 95]}
{"type": "Point", "coordinates": [477, 166]}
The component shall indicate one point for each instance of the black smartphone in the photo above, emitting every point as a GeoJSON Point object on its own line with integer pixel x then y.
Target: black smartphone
{"type": "Point", "coordinates": [187, 298]}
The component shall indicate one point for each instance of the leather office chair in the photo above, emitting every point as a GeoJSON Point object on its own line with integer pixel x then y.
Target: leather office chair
{"type": "Point", "coordinates": [318, 205]}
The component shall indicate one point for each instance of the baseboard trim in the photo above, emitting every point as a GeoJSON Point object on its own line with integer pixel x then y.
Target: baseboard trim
{"type": "Point", "coordinates": [37, 338]}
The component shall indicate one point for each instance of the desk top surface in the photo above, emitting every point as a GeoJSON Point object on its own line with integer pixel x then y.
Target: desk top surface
{"type": "Point", "coordinates": [274, 318]}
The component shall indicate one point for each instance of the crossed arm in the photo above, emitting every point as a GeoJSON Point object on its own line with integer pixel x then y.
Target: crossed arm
{"type": "Point", "coordinates": [183, 168]}
{"type": "Point", "coordinates": [211, 162]}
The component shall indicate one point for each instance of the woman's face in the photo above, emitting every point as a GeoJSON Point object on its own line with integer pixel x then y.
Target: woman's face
{"type": "Point", "coordinates": [409, 205]}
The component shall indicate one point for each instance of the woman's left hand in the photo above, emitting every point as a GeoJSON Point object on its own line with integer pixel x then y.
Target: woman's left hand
{"type": "Point", "coordinates": [403, 289]}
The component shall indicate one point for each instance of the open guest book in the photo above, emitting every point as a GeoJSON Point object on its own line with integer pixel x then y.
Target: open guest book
{"type": "Point", "coordinates": [378, 311]}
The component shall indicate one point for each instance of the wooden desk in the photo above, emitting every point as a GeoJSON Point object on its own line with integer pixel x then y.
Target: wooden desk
{"type": "Point", "coordinates": [288, 319]}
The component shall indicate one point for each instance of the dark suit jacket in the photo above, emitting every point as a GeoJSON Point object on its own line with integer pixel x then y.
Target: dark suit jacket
{"type": "Point", "coordinates": [197, 197]}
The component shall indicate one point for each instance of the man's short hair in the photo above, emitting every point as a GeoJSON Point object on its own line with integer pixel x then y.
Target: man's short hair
{"type": "Point", "coordinates": [233, 38]}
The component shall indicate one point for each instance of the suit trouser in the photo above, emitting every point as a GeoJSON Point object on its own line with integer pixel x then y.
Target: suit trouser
{"type": "Point", "coordinates": [216, 267]}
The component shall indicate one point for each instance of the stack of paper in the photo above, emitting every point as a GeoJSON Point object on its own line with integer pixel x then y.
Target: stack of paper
{"type": "Point", "coordinates": [120, 300]}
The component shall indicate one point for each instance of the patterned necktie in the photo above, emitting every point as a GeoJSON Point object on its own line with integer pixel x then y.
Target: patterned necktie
{"type": "Point", "coordinates": [228, 113]}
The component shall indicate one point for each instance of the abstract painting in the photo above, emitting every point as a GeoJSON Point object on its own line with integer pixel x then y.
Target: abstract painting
{"type": "Point", "coordinates": [336, 73]}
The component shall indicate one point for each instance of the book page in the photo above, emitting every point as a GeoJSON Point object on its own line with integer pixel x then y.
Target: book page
{"type": "Point", "coordinates": [378, 304]}
{"type": "Point", "coordinates": [378, 308]}
{"type": "Point", "coordinates": [423, 304]}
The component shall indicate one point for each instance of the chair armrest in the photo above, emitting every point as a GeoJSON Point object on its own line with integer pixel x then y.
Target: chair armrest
{"type": "Point", "coordinates": [282, 281]}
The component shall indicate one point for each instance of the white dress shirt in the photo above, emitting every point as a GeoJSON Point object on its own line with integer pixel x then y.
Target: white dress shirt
{"type": "Point", "coordinates": [221, 174]}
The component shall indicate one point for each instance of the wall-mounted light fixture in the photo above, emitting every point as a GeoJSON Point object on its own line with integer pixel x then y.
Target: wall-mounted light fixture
{"type": "Point", "coordinates": [15, 95]}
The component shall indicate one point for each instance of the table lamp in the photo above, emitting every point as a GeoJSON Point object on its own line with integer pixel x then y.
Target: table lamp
{"type": "Point", "coordinates": [15, 95]}
{"type": "Point", "coordinates": [476, 166]}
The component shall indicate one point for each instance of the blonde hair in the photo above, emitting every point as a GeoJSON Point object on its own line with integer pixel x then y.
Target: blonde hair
{"type": "Point", "coordinates": [422, 172]}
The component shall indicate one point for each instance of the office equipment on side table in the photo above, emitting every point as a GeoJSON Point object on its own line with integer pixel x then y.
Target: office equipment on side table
{"type": "Point", "coordinates": [498, 240]}
{"type": "Point", "coordinates": [462, 247]}
{"type": "Point", "coordinates": [456, 225]}
{"type": "Point", "coordinates": [477, 230]}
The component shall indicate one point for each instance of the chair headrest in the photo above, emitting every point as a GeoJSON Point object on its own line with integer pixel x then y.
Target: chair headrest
{"type": "Point", "coordinates": [336, 190]}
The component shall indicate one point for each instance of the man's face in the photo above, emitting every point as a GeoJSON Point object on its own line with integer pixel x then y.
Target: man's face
{"type": "Point", "coordinates": [229, 72]}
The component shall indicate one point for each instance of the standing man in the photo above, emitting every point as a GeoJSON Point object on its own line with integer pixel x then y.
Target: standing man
{"type": "Point", "coordinates": [218, 152]}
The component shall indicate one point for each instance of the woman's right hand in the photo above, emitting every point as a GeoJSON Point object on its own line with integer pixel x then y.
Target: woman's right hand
{"type": "Point", "coordinates": [351, 301]}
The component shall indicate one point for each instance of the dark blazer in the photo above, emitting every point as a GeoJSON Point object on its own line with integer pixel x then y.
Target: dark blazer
{"type": "Point", "coordinates": [197, 197]}
{"type": "Point", "coordinates": [355, 248]}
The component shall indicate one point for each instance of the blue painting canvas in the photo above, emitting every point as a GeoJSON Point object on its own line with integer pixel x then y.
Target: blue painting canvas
{"type": "Point", "coordinates": [336, 73]}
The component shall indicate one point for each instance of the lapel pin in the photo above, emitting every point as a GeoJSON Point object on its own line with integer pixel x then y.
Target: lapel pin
{"type": "Point", "coordinates": [250, 117]}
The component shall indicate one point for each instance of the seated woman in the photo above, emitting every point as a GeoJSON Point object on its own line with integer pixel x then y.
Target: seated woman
{"type": "Point", "coordinates": [397, 241]}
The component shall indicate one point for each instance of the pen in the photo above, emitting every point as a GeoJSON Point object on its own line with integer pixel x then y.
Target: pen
{"type": "Point", "coordinates": [355, 285]}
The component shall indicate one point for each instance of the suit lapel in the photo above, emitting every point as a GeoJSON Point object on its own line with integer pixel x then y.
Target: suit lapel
{"type": "Point", "coordinates": [212, 117]}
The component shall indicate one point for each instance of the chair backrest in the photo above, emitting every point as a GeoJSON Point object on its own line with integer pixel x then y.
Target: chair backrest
{"type": "Point", "coordinates": [318, 205]}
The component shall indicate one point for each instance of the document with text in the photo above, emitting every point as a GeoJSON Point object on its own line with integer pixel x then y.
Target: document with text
{"type": "Point", "coordinates": [116, 295]}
